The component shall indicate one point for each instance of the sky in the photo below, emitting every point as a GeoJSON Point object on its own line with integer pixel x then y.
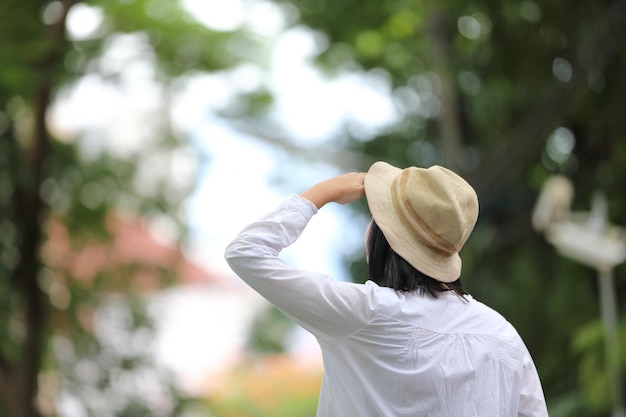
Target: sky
{"type": "Point", "coordinates": [237, 184]}
{"type": "Point", "coordinates": [243, 168]}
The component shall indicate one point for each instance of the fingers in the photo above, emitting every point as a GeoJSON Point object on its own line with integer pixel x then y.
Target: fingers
{"type": "Point", "coordinates": [342, 189]}
{"type": "Point", "coordinates": [350, 187]}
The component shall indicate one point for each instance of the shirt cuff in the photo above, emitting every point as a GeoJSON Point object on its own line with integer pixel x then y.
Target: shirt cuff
{"type": "Point", "coordinates": [304, 204]}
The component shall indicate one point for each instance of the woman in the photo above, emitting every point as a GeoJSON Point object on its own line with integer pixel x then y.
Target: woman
{"type": "Point", "coordinates": [410, 341]}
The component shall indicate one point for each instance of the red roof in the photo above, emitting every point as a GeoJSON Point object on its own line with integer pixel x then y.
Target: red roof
{"type": "Point", "coordinates": [130, 249]}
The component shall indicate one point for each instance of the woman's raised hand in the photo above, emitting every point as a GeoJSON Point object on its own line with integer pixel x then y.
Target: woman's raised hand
{"type": "Point", "coordinates": [341, 189]}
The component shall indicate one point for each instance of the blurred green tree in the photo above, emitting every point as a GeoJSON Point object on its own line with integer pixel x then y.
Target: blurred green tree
{"type": "Point", "coordinates": [53, 180]}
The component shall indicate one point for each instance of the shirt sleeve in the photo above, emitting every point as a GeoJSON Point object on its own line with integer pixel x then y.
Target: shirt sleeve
{"type": "Point", "coordinates": [329, 309]}
{"type": "Point", "coordinates": [532, 402]}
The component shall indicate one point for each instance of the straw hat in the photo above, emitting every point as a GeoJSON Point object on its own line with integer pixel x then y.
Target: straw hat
{"type": "Point", "coordinates": [426, 215]}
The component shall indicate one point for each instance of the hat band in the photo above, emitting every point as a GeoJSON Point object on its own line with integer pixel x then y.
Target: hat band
{"type": "Point", "coordinates": [422, 232]}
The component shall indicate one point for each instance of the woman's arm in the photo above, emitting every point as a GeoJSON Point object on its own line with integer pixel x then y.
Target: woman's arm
{"type": "Point", "coordinates": [327, 308]}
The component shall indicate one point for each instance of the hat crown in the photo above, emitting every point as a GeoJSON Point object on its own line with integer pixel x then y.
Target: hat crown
{"type": "Point", "coordinates": [436, 206]}
{"type": "Point", "coordinates": [426, 215]}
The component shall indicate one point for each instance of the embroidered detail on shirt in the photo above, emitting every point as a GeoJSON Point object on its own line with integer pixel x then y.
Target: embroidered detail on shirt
{"type": "Point", "coordinates": [495, 348]}
{"type": "Point", "coordinates": [410, 351]}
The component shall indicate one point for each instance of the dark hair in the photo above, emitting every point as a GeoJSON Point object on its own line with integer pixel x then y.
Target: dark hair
{"type": "Point", "coordinates": [388, 269]}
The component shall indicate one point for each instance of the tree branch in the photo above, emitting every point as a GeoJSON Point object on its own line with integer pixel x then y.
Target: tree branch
{"type": "Point", "coordinates": [341, 158]}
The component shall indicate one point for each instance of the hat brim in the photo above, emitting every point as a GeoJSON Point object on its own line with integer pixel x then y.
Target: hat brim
{"type": "Point", "coordinates": [378, 192]}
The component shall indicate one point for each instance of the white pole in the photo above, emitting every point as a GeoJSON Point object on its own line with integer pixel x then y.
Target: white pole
{"type": "Point", "coordinates": [609, 320]}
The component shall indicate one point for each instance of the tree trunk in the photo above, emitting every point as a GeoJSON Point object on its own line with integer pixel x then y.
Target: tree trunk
{"type": "Point", "coordinates": [448, 121]}
{"type": "Point", "coordinates": [19, 376]}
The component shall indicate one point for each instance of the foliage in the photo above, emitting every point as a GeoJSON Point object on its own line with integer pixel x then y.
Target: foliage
{"type": "Point", "coordinates": [58, 183]}
{"type": "Point", "coordinates": [270, 386]}
{"type": "Point", "coordinates": [268, 332]}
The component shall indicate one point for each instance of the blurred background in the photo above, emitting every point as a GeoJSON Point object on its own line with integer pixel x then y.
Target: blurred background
{"type": "Point", "coordinates": [137, 137]}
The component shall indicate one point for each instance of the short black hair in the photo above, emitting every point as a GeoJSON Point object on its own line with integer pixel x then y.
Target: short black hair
{"type": "Point", "coordinates": [388, 269]}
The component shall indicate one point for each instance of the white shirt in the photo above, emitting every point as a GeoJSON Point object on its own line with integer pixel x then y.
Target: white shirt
{"type": "Point", "coordinates": [390, 353]}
